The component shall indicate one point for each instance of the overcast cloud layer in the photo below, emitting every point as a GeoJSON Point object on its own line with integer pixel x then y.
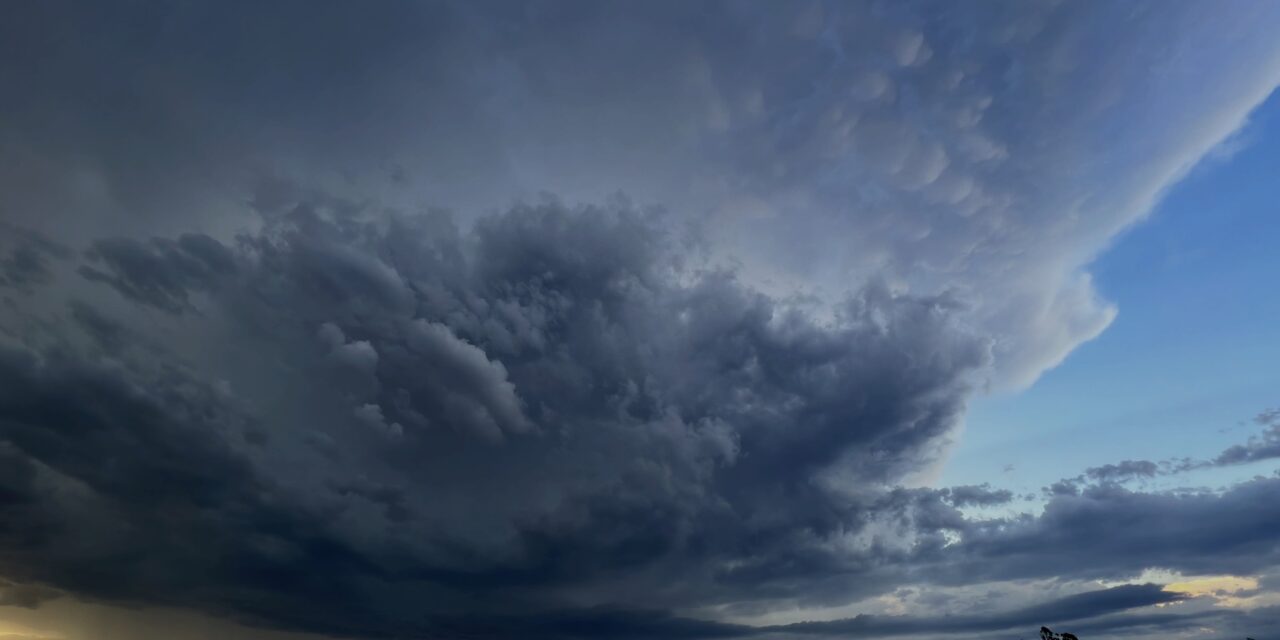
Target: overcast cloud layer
{"type": "Point", "coordinates": [570, 320]}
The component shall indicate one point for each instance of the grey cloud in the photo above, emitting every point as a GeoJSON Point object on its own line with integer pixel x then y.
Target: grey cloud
{"type": "Point", "coordinates": [25, 261]}
{"type": "Point", "coordinates": [101, 330]}
{"type": "Point", "coordinates": [668, 437]}
{"type": "Point", "coordinates": [28, 596]}
{"type": "Point", "coordinates": [149, 460]}
{"type": "Point", "coordinates": [1103, 610]}
{"type": "Point", "coordinates": [811, 132]}
{"type": "Point", "coordinates": [1124, 470]}
{"type": "Point", "coordinates": [1155, 624]}
{"type": "Point", "coordinates": [143, 118]}
{"type": "Point", "coordinates": [162, 273]}
{"type": "Point", "coordinates": [496, 410]}
{"type": "Point", "coordinates": [1071, 608]}
{"type": "Point", "coordinates": [371, 414]}
{"type": "Point", "coordinates": [1263, 446]}
{"type": "Point", "coordinates": [592, 623]}
{"type": "Point", "coordinates": [572, 412]}
{"type": "Point", "coordinates": [1107, 531]}
{"type": "Point", "coordinates": [979, 496]}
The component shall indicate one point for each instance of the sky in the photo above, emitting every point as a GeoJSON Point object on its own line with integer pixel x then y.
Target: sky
{"type": "Point", "coordinates": [565, 320]}
{"type": "Point", "coordinates": [1188, 359]}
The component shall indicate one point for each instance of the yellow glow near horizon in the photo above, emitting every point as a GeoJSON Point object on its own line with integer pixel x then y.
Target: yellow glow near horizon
{"type": "Point", "coordinates": [14, 631]}
{"type": "Point", "coordinates": [1221, 588]}
{"type": "Point", "coordinates": [70, 619]}
{"type": "Point", "coordinates": [1213, 585]}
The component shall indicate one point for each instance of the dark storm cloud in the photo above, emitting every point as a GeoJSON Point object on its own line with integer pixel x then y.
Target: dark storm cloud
{"type": "Point", "coordinates": [161, 273]}
{"type": "Point", "coordinates": [138, 460]}
{"type": "Point", "coordinates": [1259, 622]}
{"type": "Point", "coordinates": [638, 431]}
{"type": "Point", "coordinates": [1107, 531]}
{"type": "Point", "coordinates": [140, 116]}
{"type": "Point", "coordinates": [25, 257]}
{"type": "Point", "coordinates": [444, 335]}
{"type": "Point", "coordinates": [1071, 608]}
{"type": "Point", "coordinates": [1161, 623]}
{"type": "Point", "coordinates": [591, 623]}
{"type": "Point", "coordinates": [28, 596]}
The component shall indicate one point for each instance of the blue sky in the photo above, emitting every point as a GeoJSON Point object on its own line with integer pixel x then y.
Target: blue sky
{"type": "Point", "coordinates": [1192, 353]}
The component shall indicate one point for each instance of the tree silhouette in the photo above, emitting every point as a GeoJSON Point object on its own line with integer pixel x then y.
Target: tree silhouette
{"type": "Point", "coordinates": [1047, 634]}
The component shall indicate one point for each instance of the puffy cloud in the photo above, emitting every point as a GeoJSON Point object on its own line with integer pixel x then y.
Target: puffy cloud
{"type": "Point", "coordinates": [575, 415]}
{"type": "Point", "coordinates": [371, 414]}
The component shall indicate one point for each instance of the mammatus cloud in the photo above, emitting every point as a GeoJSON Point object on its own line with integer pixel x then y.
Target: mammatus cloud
{"type": "Point", "coordinates": [237, 347]}
{"type": "Point", "coordinates": [815, 145]}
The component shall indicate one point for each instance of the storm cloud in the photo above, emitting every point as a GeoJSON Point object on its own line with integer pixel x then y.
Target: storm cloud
{"type": "Point", "coordinates": [586, 320]}
{"type": "Point", "coordinates": [623, 418]}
